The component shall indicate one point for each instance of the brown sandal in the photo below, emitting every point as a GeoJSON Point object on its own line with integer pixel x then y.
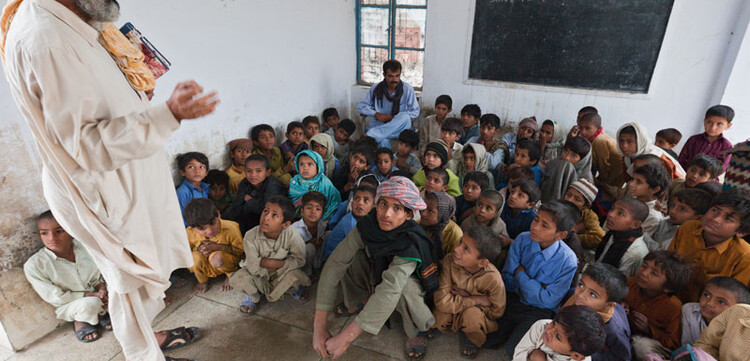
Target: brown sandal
{"type": "Point", "coordinates": [180, 337]}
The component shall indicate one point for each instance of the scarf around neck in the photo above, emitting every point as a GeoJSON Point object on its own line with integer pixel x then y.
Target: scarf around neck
{"type": "Point", "coordinates": [381, 90]}
{"type": "Point", "coordinates": [446, 208]}
{"type": "Point", "coordinates": [319, 183]}
{"type": "Point", "coordinates": [408, 241]}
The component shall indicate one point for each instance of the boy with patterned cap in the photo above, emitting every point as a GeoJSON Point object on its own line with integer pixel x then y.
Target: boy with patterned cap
{"type": "Point", "coordinates": [387, 263]}
{"type": "Point", "coordinates": [239, 150]}
{"type": "Point", "coordinates": [582, 193]}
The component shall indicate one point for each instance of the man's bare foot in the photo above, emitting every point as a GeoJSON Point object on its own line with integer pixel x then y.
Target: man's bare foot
{"type": "Point", "coordinates": [225, 287]}
{"type": "Point", "coordinates": [201, 287]}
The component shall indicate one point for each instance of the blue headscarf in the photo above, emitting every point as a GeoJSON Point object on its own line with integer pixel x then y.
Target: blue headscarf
{"type": "Point", "coordinates": [320, 183]}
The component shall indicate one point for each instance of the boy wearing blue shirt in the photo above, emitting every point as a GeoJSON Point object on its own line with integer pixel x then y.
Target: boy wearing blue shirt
{"type": "Point", "coordinates": [519, 211]}
{"type": "Point", "coordinates": [193, 167]}
{"type": "Point", "coordinates": [537, 274]}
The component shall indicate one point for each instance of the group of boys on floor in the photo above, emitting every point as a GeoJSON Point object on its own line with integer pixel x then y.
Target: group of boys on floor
{"type": "Point", "coordinates": [556, 244]}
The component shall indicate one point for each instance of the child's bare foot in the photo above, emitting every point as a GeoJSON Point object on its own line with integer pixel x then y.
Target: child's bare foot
{"type": "Point", "coordinates": [225, 287]}
{"type": "Point", "coordinates": [201, 287]}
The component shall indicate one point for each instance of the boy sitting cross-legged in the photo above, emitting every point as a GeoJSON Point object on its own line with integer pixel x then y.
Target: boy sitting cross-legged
{"type": "Point", "coordinates": [275, 256]}
{"type": "Point", "coordinates": [575, 333]}
{"type": "Point", "coordinates": [65, 276]}
{"type": "Point", "coordinates": [537, 275]}
{"type": "Point", "coordinates": [601, 288]}
{"type": "Point", "coordinates": [216, 243]}
{"type": "Point", "coordinates": [471, 295]}
{"type": "Point", "coordinates": [720, 294]}
{"type": "Point", "coordinates": [653, 310]}
{"type": "Point", "coordinates": [623, 246]}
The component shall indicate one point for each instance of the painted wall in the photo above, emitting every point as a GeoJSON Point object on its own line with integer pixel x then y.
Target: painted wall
{"type": "Point", "coordinates": [695, 66]}
{"type": "Point", "coordinates": [271, 61]}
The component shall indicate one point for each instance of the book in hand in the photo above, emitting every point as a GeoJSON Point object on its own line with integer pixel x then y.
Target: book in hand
{"type": "Point", "coordinates": [153, 58]}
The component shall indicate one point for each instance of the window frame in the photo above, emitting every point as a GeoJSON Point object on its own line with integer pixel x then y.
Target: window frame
{"type": "Point", "coordinates": [392, 8]}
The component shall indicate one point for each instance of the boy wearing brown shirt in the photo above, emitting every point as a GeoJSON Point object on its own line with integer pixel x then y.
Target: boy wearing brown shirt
{"type": "Point", "coordinates": [471, 295]}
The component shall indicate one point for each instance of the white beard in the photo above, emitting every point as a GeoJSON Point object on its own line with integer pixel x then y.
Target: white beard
{"type": "Point", "coordinates": [100, 10]}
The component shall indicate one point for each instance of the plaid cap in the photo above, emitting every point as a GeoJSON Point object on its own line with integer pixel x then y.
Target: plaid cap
{"type": "Point", "coordinates": [403, 190]}
{"type": "Point", "coordinates": [529, 122]}
{"type": "Point", "coordinates": [241, 142]}
{"type": "Point", "coordinates": [587, 189]}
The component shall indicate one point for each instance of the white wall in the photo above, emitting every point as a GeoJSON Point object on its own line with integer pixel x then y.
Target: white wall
{"type": "Point", "coordinates": [692, 59]}
{"type": "Point", "coordinates": [271, 62]}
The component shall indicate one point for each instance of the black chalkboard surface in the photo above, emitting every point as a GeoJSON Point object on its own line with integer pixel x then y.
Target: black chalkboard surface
{"type": "Point", "coordinates": [596, 44]}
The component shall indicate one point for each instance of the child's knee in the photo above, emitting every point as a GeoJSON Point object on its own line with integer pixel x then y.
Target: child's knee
{"type": "Point", "coordinates": [216, 260]}
{"type": "Point", "coordinates": [198, 259]}
{"type": "Point", "coordinates": [88, 305]}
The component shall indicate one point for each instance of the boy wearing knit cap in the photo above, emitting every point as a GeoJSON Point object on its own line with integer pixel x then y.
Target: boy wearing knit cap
{"type": "Point", "coordinates": [386, 263]}
{"type": "Point", "coordinates": [582, 193]}
{"type": "Point", "coordinates": [239, 150]}
{"type": "Point", "coordinates": [436, 156]}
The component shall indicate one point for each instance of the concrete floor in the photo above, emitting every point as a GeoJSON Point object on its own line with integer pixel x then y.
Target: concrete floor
{"type": "Point", "coordinates": [279, 331]}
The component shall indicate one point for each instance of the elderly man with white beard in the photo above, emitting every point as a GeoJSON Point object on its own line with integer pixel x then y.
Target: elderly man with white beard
{"type": "Point", "coordinates": [82, 88]}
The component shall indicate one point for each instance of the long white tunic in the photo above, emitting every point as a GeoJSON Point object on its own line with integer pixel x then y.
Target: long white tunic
{"type": "Point", "coordinates": [105, 175]}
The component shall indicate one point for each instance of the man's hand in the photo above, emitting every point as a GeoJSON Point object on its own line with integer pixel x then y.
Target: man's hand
{"type": "Point", "coordinates": [640, 321]}
{"type": "Point", "coordinates": [321, 333]}
{"type": "Point", "coordinates": [537, 355]}
{"type": "Point", "coordinates": [382, 117]}
{"type": "Point", "coordinates": [336, 346]}
{"type": "Point", "coordinates": [184, 105]}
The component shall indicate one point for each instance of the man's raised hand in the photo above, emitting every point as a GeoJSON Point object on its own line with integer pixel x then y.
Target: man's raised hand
{"type": "Point", "coordinates": [185, 102]}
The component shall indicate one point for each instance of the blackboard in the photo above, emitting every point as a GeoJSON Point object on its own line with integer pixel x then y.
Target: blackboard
{"type": "Point", "coordinates": [595, 44]}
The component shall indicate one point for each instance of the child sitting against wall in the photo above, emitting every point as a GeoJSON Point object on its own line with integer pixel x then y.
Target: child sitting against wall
{"type": "Point", "coordinates": [64, 275]}
{"type": "Point", "coordinates": [527, 129]}
{"type": "Point", "coordinates": [471, 294]}
{"type": "Point", "coordinates": [430, 129]}
{"type": "Point", "coordinates": [633, 140]}
{"type": "Point", "coordinates": [312, 228]}
{"type": "Point", "coordinates": [239, 150]}
{"type": "Point", "coordinates": [253, 192]}
{"type": "Point", "coordinates": [551, 140]}
{"type": "Point", "coordinates": [653, 310]}
{"type": "Point", "coordinates": [602, 288]}
{"type": "Point", "coordinates": [312, 127]}
{"type": "Point", "coordinates": [342, 138]}
{"type": "Point", "coordinates": [193, 167]}
{"type": "Point", "coordinates": [436, 221]}
{"type": "Point", "coordinates": [218, 182]}
{"type": "Point", "coordinates": [264, 139]}
{"type": "Point", "coordinates": [686, 205]}
{"type": "Point", "coordinates": [470, 115]}
{"type": "Point", "coordinates": [450, 132]}
{"type": "Point", "coordinates": [274, 258]}
{"type": "Point", "coordinates": [322, 144]}
{"type": "Point", "coordinates": [216, 244]}
{"type": "Point", "coordinates": [623, 246]}
{"type": "Point", "coordinates": [667, 139]}
{"type": "Point", "coordinates": [295, 141]}
{"type": "Point", "coordinates": [310, 177]}
{"type": "Point", "coordinates": [719, 295]}
{"type": "Point", "coordinates": [474, 184]}
{"type": "Point", "coordinates": [331, 119]}
{"type": "Point", "coordinates": [575, 333]}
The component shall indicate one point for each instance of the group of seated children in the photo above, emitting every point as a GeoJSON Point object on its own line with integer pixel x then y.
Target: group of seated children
{"type": "Point", "coordinates": [555, 244]}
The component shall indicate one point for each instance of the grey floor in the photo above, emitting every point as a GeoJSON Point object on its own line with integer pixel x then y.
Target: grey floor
{"type": "Point", "coordinates": [279, 331]}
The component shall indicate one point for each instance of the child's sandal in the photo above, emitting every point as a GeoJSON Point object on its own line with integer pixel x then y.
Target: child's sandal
{"type": "Point", "coordinates": [300, 294]}
{"type": "Point", "coordinates": [468, 349]}
{"type": "Point", "coordinates": [249, 305]}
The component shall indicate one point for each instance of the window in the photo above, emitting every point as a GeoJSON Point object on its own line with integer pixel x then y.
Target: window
{"type": "Point", "coordinates": [390, 29]}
